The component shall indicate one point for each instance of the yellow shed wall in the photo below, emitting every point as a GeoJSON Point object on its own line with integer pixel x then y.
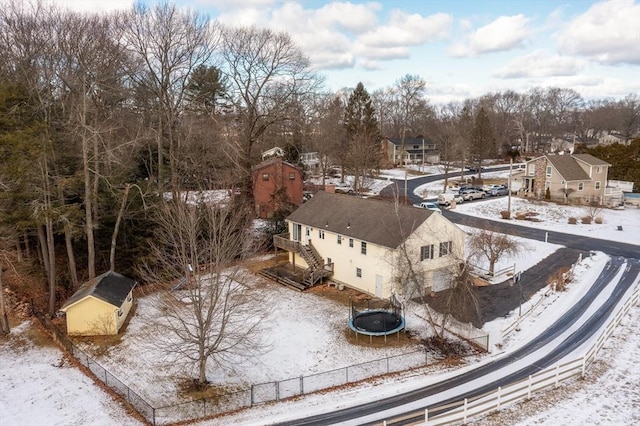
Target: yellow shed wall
{"type": "Point", "coordinates": [91, 316]}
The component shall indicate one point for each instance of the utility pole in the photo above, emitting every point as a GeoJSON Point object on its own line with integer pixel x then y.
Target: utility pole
{"type": "Point", "coordinates": [405, 186]}
{"type": "Point", "coordinates": [509, 189]}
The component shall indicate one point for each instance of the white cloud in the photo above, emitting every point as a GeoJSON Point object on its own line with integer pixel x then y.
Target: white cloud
{"type": "Point", "coordinates": [381, 53]}
{"type": "Point", "coordinates": [539, 64]}
{"type": "Point", "coordinates": [405, 30]}
{"type": "Point", "coordinates": [607, 32]}
{"type": "Point", "coordinates": [93, 5]}
{"type": "Point", "coordinates": [504, 33]}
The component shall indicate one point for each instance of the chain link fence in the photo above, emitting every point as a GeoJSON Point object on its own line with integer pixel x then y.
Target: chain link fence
{"type": "Point", "coordinates": [257, 394]}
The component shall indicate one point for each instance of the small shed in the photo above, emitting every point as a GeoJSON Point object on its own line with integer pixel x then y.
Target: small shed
{"type": "Point", "coordinates": [100, 306]}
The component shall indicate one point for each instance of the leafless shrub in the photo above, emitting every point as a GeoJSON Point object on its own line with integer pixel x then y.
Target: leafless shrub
{"type": "Point", "coordinates": [586, 220]}
{"type": "Point", "coordinates": [573, 220]}
{"type": "Point", "coordinates": [598, 220]}
{"type": "Point", "coordinates": [560, 279]}
{"type": "Point", "coordinates": [505, 214]}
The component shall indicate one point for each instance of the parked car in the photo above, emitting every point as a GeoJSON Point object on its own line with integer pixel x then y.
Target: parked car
{"type": "Point", "coordinates": [475, 169]}
{"type": "Point", "coordinates": [467, 186]}
{"type": "Point", "coordinates": [445, 199]}
{"type": "Point", "coordinates": [344, 189]}
{"type": "Point", "coordinates": [498, 190]}
{"type": "Point", "coordinates": [472, 194]}
{"type": "Point", "coordinates": [429, 206]}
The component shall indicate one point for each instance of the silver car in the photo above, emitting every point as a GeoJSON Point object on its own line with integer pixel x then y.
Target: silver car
{"type": "Point", "coordinates": [472, 194]}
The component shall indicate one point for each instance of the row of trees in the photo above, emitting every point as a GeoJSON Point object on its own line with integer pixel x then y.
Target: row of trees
{"type": "Point", "coordinates": [100, 115]}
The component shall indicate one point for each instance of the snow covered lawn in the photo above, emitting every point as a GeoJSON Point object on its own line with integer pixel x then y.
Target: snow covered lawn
{"type": "Point", "coordinates": [39, 386]}
{"type": "Point", "coordinates": [307, 334]}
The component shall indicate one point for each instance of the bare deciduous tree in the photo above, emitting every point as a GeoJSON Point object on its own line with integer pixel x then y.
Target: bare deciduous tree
{"type": "Point", "coordinates": [409, 93]}
{"type": "Point", "coordinates": [214, 316]}
{"type": "Point", "coordinates": [593, 210]}
{"type": "Point", "coordinates": [266, 74]}
{"type": "Point", "coordinates": [169, 44]}
{"type": "Point", "coordinates": [492, 246]}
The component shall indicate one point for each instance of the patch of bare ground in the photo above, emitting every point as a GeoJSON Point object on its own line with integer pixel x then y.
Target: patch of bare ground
{"type": "Point", "coordinates": [192, 390]}
{"type": "Point", "coordinates": [400, 339]}
{"type": "Point", "coordinates": [257, 264]}
{"type": "Point", "coordinates": [331, 292]}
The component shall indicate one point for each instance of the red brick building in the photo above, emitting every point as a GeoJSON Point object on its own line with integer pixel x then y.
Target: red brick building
{"type": "Point", "coordinates": [273, 176]}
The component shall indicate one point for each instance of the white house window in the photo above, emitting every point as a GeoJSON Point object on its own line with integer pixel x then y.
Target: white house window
{"type": "Point", "coordinates": [531, 169]}
{"type": "Point", "coordinates": [580, 186]}
{"type": "Point", "coordinates": [292, 175]}
{"type": "Point", "coordinates": [445, 248]}
{"type": "Point", "coordinates": [363, 247]}
{"type": "Point", "coordinates": [598, 169]}
{"type": "Point", "coordinates": [350, 242]}
{"type": "Point", "coordinates": [339, 239]}
{"type": "Point", "coordinates": [548, 171]}
{"type": "Point", "coordinates": [358, 272]}
{"type": "Point", "coordinates": [308, 232]}
{"type": "Point", "coordinates": [265, 176]}
{"type": "Point", "coordinates": [321, 234]}
{"type": "Point", "coordinates": [426, 252]}
{"type": "Point", "coordinates": [329, 261]}
{"type": "Point", "coordinates": [597, 184]}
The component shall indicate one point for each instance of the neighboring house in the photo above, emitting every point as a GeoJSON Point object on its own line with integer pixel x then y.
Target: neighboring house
{"type": "Point", "coordinates": [276, 182]}
{"type": "Point", "coordinates": [416, 151]}
{"type": "Point", "coordinates": [364, 243]}
{"type": "Point", "coordinates": [610, 139]}
{"type": "Point", "coordinates": [311, 161]}
{"type": "Point", "coordinates": [276, 151]}
{"type": "Point", "coordinates": [100, 306]}
{"type": "Point", "coordinates": [580, 178]}
{"type": "Point", "coordinates": [562, 145]}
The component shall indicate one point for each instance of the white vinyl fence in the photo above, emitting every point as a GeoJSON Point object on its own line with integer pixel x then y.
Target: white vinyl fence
{"type": "Point", "coordinates": [462, 411]}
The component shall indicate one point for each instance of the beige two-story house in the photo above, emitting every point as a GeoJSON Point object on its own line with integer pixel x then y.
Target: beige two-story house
{"type": "Point", "coordinates": [370, 245]}
{"type": "Point", "coordinates": [579, 178]}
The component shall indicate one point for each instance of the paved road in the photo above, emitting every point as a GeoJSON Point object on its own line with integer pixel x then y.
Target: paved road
{"type": "Point", "coordinates": [577, 242]}
{"type": "Point", "coordinates": [398, 185]}
{"type": "Point", "coordinates": [501, 371]}
{"type": "Point", "coordinates": [505, 368]}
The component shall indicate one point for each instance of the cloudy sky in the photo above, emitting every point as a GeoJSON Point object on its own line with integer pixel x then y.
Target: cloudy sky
{"type": "Point", "coordinates": [462, 48]}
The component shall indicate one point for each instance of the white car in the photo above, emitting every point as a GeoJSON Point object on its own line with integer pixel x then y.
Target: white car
{"type": "Point", "coordinates": [429, 206]}
{"type": "Point", "coordinates": [446, 198]}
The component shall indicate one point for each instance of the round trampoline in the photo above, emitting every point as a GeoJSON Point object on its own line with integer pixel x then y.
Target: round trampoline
{"type": "Point", "coordinates": [377, 322]}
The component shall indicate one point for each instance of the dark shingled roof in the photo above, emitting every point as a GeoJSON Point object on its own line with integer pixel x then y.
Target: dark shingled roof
{"type": "Point", "coordinates": [111, 287]}
{"type": "Point", "coordinates": [568, 167]}
{"type": "Point", "coordinates": [374, 221]}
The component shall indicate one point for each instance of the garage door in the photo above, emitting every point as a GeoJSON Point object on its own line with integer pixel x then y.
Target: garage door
{"type": "Point", "coordinates": [441, 280]}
